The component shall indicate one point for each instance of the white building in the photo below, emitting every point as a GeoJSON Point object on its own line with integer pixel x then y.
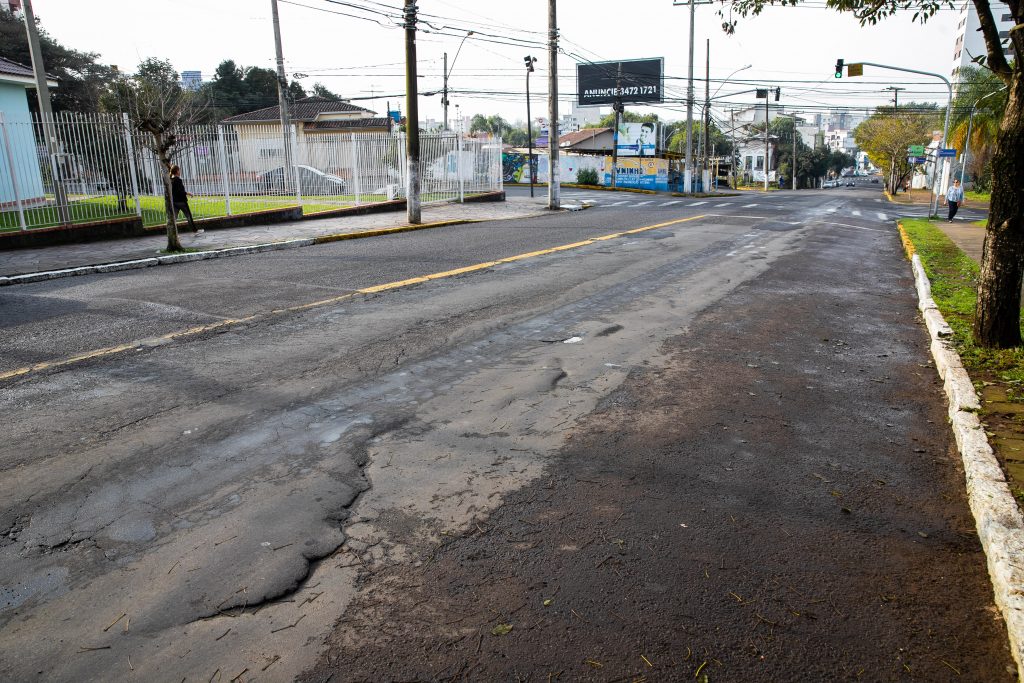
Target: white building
{"type": "Point", "coordinates": [969, 41]}
{"type": "Point", "coordinates": [11, 5]}
{"type": "Point", "coordinates": [578, 118]}
{"type": "Point", "coordinates": [191, 80]}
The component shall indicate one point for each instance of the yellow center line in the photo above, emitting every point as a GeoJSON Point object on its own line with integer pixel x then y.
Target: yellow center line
{"type": "Point", "coordinates": [230, 322]}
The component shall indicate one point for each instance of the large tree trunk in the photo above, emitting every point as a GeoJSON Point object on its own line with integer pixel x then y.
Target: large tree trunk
{"type": "Point", "coordinates": [997, 316]}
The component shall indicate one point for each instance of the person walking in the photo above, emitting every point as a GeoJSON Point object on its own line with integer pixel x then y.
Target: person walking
{"type": "Point", "coordinates": [954, 197]}
{"type": "Point", "coordinates": [179, 198]}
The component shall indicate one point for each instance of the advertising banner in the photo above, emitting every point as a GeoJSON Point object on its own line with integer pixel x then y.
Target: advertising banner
{"type": "Point", "coordinates": [629, 81]}
{"type": "Point", "coordinates": [642, 173]}
{"type": "Point", "coordinates": [637, 139]}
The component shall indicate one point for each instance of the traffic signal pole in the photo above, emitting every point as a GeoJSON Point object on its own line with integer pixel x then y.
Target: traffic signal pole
{"type": "Point", "coordinates": [934, 205]}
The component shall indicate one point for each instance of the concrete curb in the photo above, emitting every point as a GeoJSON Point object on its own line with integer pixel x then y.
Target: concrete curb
{"type": "Point", "coordinates": [997, 517]}
{"type": "Point", "coordinates": [220, 253]}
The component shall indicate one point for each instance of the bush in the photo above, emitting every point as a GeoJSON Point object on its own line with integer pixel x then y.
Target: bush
{"type": "Point", "coordinates": [587, 176]}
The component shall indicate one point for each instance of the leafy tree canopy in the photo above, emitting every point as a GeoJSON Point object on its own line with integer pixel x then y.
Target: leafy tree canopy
{"type": "Point", "coordinates": [81, 79]}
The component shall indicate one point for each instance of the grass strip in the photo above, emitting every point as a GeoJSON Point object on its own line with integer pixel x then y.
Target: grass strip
{"type": "Point", "coordinates": [998, 374]}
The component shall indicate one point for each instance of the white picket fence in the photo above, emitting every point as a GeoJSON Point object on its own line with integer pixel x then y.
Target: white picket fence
{"type": "Point", "coordinates": [106, 171]}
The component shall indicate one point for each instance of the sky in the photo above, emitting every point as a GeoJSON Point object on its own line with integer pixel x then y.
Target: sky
{"type": "Point", "coordinates": [355, 49]}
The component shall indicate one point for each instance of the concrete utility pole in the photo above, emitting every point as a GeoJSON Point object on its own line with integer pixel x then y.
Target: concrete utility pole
{"type": "Point", "coordinates": [46, 112]}
{"type": "Point", "coordinates": [530, 61]}
{"type": "Point", "coordinates": [282, 102]}
{"type": "Point", "coordinates": [554, 180]}
{"type": "Point", "coordinates": [444, 96]}
{"type": "Point", "coordinates": [688, 173]}
{"type": "Point", "coordinates": [412, 118]}
{"type": "Point", "coordinates": [707, 113]}
{"type": "Point", "coordinates": [767, 149]}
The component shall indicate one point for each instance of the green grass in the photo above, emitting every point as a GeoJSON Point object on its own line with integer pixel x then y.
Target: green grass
{"type": "Point", "coordinates": [982, 197]}
{"type": "Point", "coordinates": [954, 278]}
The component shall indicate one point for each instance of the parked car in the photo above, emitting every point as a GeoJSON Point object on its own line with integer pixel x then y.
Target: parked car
{"type": "Point", "coordinates": [312, 181]}
{"type": "Point", "coordinates": [851, 184]}
{"type": "Point", "coordinates": [874, 181]}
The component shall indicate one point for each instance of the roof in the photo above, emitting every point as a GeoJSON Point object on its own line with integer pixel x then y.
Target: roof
{"type": "Point", "coordinates": [305, 109]}
{"type": "Point", "coordinates": [343, 124]}
{"type": "Point", "coordinates": [579, 136]}
{"type": "Point", "coordinates": [19, 73]}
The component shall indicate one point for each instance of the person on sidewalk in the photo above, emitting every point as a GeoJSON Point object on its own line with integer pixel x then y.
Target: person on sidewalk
{"type": "Point", "coordinates": [179, 198]}
{"type": "Point", "coordinates": [954, 197]}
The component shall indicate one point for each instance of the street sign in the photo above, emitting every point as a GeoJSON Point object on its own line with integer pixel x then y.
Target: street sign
{"type": "Point", "coordinates": [854, 69]}
{"type": "Point", "coordinates": [947, 152]}
{"type": "Point", "coordinates": [917, 160]}
{"type": "Point", "coordinates": [916, 150]}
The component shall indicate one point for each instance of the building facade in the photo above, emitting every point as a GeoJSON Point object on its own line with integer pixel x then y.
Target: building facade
{"type": "Point", "coordinates": [969, 43]}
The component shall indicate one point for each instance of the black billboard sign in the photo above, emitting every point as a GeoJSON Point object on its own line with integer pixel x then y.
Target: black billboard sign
{"type": "Point", "coordinates": [633, 81]}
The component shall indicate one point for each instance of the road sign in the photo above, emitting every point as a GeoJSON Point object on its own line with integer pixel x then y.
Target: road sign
{"type": "Point", "coordinates": [854, 69]}
{"type": "Point", "coordinates": [916, 150]}
{"type": "Point", "coordinates": [917, 160]}
{"type": "Point", "coordinates": [947, 152]}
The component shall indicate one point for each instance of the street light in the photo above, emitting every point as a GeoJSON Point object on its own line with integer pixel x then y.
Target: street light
{"type": "Point", "coordinates": [970, 122]}
{"type": "Point", "coordinates": [530, 61]}
{"type": "Point", "coordinates": [447, 73]}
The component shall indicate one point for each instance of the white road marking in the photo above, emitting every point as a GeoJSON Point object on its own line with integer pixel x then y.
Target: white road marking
{"type": "Point", "coordinates": [719, 206]}
{"type": "Point", "coordinates": [882, 216]}
{"type": "Point", "coordinates": [855, 213]}
{"type": "Point", "coordinates": [618, 203]}
{"type": "Point", "coordinates": [674, 201]}
{"type": "Point", "coordinates": [855, 227]}
{"type": "Point", "coordinates": [749, 206]}
{"type": "Point", "coordinates": [698, 203]}
{"type": "Point", "coordinates": [641, 203]}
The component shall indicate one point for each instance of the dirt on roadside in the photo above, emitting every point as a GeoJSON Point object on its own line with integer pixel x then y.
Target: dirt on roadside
{"type": "Point", "coordinates": [780, 501]}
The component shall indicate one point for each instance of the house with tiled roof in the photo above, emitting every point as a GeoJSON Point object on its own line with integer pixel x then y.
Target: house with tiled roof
{"type": "Point", "coordinates": [318, 122]}
{"type": "Point", "coordinates": [15, 80]}
{"type": "Point", "coordinates": [587, 141]}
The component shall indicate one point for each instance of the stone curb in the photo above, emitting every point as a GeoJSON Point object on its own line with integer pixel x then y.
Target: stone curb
{"type": "Point", "coordinates": [997, 517]}
{"type": "Point", "coordinates": [220, 253]}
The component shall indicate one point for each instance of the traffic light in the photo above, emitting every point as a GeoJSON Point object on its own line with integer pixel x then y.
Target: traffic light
{"type": "Point", "coordinates": [778, 91]}
{"type": "Point", "coordinates": [529, 62]}
{"type": "Point", "coordinates": [839, 68]}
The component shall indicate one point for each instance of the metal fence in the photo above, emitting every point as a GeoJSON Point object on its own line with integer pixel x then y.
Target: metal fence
{"type": "Point", "coordinates": [106, 170]}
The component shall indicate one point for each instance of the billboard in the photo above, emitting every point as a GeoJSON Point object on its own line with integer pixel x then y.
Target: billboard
{"type": "Point", "coordinates": [629, 81]}
{"type": "Point", "coordinates": [637, 139]}
{"type": "Point", "coordinates": [646, 174]}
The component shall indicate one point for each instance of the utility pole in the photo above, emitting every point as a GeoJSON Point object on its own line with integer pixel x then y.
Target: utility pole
{"type": "Point", "coordinates": [444, 97]}
{"type": "Point", "coordinates": [553, 176]}
{"type": "Point", "coordinates": [688, 174]}
{"type": "Point", "coordinates": [46, 112]}
{"type": "Point", "coordinates": [707, 111]}
{"type": "Point", "coordinates": [895, 98]}
{"type": "Point", "coordinates": [732, 160]}
{"type": "Point", "coordinates": [617, 108]}
{"type": "Point", "coordinates": [412, 118]}
{"type": "Point", "coordinates": [530, 61]}
{"type": "Point", "coordinates": [282, 101]}
{"type": "Point", "coordinates": [767, 150]}
{"type": "Point", "coordinates": [793, 170]}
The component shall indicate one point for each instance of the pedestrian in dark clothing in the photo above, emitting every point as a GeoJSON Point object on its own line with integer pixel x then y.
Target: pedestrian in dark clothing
{"type": "Point", "coordinates": [954, 197]}
{"type": "Point", "coordinates": [179, 198]}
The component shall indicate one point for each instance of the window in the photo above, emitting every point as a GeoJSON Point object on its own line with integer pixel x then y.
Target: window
{"type": "Point", "coordinates": [749, 163]}
{"type": "Point", "coordinates": [1007, 17]}
{"type": "Point", "coordinates": [760, 163]}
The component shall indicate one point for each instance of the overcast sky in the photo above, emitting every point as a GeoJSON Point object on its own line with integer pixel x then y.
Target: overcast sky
{"type": "Point", "coordinates": [793, 48]}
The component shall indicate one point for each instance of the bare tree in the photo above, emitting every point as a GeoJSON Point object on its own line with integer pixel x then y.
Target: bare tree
{"type": "Point", "coordinates": [997, 315]}
{"type": "Point", "coordinates": [158, 106]}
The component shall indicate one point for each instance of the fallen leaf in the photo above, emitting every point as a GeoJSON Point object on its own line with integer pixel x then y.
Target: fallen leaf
{"type": "Point", "coordinates": [501, 630]}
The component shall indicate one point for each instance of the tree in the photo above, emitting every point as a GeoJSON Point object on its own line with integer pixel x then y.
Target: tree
{"type": "Point", "coordinates": [159, 107]}
{"type": "Point", "coordinates": [997, 313]}
{"type": "Point", "coordinates": [887, 134]}
{"type": "Point", "coordinates": [238, 89]}
{"type": "Point", "coordinates": [83, 81]}
{"type": "Point", "coordinates": [981, 87]}
{"type": "Point", "coordinates": [608, 120]}
{"type": "Point", "coordinates": [495, 125]}
{"type": "Point", "coordinates": [321, 90]}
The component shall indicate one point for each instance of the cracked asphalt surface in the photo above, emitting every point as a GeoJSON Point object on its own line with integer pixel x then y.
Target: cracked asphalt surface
{"type": "Point", "coordinates": [738, 467]}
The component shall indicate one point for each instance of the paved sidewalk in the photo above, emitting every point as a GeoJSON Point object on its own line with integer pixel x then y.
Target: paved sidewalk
{"type": "Point", "coordinates": [970, 238]}
{"type": "Point", "coordinates": [58, 257]}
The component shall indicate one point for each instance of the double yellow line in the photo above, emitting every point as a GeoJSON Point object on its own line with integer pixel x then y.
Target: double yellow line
{"type": "Point", "coordinates": [230, 322]}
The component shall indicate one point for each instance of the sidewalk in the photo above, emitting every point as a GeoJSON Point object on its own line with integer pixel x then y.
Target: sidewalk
{"type": "Point", "coordinates": [969, 237]}
{"type": "Point", "coordinates": [20, 261]}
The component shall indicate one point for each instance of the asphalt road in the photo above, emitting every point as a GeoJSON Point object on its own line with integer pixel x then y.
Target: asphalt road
{"type": "Point", "coordinates": [213, 469]}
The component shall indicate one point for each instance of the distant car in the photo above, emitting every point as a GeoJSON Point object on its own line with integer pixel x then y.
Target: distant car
{"type": "Point", "coordinates": [851, 184]}
{"type": "Point", "coordinates": [874, 181]}
{"type": "Point", "coordinates": [312, 181]}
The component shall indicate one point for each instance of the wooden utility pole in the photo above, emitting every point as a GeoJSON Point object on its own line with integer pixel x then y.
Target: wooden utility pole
{"type": "Point", "coordinates": [412, 118]}
{"type": "Point", "coordinates": [553, 176]}
{"type": "Point", "coordinates": [282, 102]}
{"type": "Point", "coordinates": [46, 113]}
